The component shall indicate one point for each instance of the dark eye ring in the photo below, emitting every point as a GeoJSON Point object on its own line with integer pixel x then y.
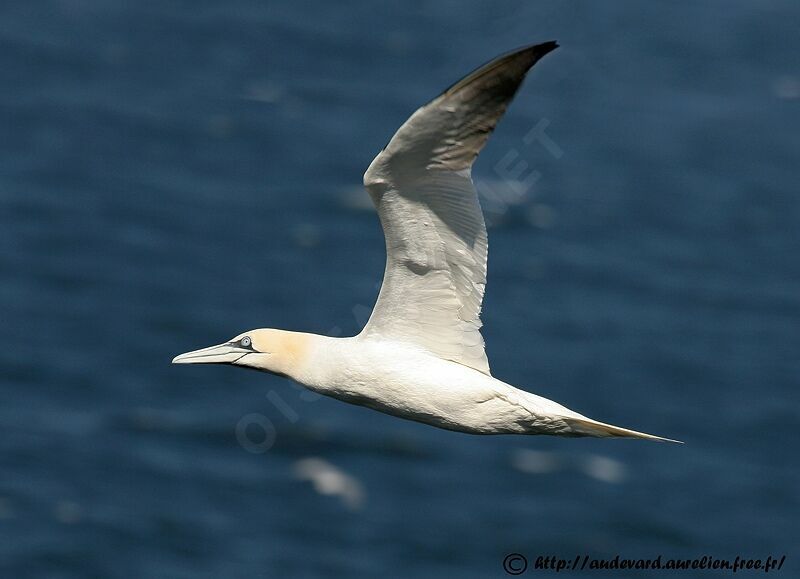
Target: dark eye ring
{"type": "Point", "coordinates": [245, 342]}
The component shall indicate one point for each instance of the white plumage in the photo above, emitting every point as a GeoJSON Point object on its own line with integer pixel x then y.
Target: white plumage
{"type": "Point", "coordinates": [421, 355]}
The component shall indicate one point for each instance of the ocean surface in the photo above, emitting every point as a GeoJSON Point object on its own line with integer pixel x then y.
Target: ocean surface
{"type": "Point", "coordinates": [173, 173]}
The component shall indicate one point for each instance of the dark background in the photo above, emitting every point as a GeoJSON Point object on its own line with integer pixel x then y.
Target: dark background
{"type": "Point", "coordinates": [174, 173]}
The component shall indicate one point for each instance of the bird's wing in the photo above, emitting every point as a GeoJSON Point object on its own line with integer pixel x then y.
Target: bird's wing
{"type": "Point", "coordinates": [435, 234]}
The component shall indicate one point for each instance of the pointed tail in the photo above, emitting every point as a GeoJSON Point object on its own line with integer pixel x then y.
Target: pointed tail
{"type": "Point", "coordinates": [587, 427]}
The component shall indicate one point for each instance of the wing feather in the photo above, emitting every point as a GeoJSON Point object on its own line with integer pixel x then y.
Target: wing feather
{"type": "Point", "coordinates": [436, 241]}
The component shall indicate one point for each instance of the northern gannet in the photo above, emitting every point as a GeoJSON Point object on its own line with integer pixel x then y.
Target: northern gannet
{"type": "Point", "coordinates": [421, 354]}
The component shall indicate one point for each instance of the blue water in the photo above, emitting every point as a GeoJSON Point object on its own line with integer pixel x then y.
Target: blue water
{"type": "Point", "coordinates": [173, 173]}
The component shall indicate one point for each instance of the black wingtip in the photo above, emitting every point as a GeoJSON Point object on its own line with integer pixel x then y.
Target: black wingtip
{"type": "Point", "coordinates": [534, 52]}
{"type": "Point", "coordinates": [531, 53]}
{"type": "Point", "coordinates": [544, 48]}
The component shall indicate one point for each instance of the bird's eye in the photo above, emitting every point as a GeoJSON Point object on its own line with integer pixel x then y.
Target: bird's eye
{"type": "Point", "coordinates": [245, 342]}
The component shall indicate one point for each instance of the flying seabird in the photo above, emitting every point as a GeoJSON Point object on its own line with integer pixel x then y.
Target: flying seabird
{"type": "Point", "coordinates": [421, 354]}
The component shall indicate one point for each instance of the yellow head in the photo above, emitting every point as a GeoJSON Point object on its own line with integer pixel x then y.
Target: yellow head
{"type": "Point", "coordinates": [275, 351]}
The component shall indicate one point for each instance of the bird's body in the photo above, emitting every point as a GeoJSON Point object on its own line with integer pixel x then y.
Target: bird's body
{"type": "Point", "coordinates": [409, 382]}
{"type": "Point", "coordinates": [421, 355]}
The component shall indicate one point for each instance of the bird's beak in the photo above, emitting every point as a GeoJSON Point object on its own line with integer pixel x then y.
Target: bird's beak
{"type": "Point", "coordinates": [222, 354]}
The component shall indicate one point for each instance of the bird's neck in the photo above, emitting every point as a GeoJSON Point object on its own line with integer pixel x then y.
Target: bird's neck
{"type": "Point", "coordinates": [302, 357]}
